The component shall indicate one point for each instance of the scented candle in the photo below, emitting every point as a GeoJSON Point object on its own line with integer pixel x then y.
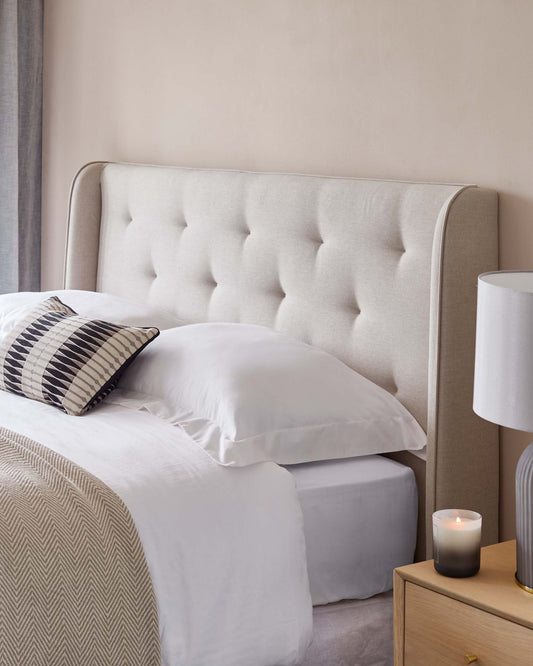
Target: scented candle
{"type": "Point", "coordinates": [456, 542]}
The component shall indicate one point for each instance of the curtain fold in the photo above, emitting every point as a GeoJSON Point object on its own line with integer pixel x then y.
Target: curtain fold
{"type": "Point", "coordinates": [21, 30]}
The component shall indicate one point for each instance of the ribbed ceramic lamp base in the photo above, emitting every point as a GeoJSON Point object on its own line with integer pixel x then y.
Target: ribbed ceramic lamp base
{"type": "Point", "coordinates": [524, 520]}
{"type": "Point", "coordinates": [523, 587]}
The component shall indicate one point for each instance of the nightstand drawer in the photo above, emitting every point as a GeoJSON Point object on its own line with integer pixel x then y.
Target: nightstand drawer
{"type": "Point", "coordinates": [442, 631]}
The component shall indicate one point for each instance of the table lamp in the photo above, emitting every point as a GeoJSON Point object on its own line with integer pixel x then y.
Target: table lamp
{"type": "Point", "coordinates": [503, 385]}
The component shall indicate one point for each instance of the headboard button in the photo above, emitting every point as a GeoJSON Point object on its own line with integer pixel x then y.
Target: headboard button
{"type": "Point", "coordinates": [354, 308]}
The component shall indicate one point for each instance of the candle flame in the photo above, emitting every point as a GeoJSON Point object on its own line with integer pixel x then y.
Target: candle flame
{"type": "Point", "coordinates": [458, 519]}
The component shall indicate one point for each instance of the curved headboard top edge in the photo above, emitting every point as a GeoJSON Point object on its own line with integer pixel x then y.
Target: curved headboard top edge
{"type": "Point", "coordinates": [103, 163]}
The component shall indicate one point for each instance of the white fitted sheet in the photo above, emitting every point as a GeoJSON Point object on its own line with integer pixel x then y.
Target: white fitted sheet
{"type": "Point", "coordinates": [360, 519]}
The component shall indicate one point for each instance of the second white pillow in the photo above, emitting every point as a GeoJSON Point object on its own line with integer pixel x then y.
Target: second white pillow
{"type": "Point", "coordinates": [248, 394]}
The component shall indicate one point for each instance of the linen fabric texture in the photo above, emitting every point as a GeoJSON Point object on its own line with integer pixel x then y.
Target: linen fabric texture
{"type": "Point", "coordinates": [381, 274]}
{"type": "Point", "coordinates": [58, 357]}
{"type": "Point", "coordinates": [248, 394]}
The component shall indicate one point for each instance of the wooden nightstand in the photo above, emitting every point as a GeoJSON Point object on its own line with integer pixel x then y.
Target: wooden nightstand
{"type": "Point", "coordinates": [485, 620]}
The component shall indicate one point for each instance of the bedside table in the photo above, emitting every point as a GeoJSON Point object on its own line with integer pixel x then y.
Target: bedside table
{"type": "Point", "coordinates": [485, 620]}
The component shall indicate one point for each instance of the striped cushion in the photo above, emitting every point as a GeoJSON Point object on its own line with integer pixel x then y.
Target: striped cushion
{"type": "Point", "coordinates": [56, 356]}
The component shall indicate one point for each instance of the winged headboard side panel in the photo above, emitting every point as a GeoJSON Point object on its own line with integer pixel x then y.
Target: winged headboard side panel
{"type": "Point", "coordinates": [463, 449]}
{"type": "Point", "coordinates": [83, 241]}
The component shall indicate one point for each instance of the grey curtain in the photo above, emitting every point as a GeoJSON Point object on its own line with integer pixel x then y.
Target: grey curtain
{"type": "Point", "coordinates": [21, 27]}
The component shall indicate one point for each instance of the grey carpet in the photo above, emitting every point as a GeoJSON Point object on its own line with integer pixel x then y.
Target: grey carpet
{"type": "Point", "coordinates": [353, 633]}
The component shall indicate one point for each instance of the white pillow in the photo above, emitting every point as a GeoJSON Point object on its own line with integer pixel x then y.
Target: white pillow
{"type": "Point", "coordinates": [248, 394]}
{"type": "Point", "coordinates": [90, 304]}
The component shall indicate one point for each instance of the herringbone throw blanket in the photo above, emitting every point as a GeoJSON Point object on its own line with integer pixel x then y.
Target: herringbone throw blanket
{"type": "Point", "coordinates": [74, 585]}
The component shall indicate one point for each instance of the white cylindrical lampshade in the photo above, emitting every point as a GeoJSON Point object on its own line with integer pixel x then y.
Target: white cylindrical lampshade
{"type": "Point", "coordinates": [503, 384]}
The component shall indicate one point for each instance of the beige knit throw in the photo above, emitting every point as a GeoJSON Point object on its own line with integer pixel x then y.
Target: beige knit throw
{"type": "Point", "coordinates": [74, 585]}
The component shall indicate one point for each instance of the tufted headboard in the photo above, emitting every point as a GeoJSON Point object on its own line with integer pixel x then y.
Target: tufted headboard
{"type": "Point", "coordinates": [381, 274]}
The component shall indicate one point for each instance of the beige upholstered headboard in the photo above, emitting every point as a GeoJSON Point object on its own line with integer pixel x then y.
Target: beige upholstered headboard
{"type": "Point", "coordinates": [381, 274]}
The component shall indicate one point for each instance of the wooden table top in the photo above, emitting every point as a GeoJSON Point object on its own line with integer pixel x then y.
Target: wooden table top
{"type": "Point", "coordinates": [493, 589]}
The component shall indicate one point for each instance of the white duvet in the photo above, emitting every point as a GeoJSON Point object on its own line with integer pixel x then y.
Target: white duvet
{"type": "Point", "coordinates": [225, 547]}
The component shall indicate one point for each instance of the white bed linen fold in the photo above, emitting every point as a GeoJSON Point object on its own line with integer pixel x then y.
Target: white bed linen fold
{"type": "Point", "coordinates": [225, 547]}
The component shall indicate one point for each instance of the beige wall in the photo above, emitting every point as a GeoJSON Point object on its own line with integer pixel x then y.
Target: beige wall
{"type": "Point", "coordinates": [413, 89]}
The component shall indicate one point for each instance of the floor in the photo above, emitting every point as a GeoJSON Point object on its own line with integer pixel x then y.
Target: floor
{"type": "Point", "coordinates": [353, 633]}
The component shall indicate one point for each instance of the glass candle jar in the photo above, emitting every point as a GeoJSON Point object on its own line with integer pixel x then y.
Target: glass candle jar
{"type": "Point", "coordinates": [456, 542]}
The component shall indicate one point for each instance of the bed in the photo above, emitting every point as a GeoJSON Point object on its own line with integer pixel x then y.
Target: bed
{"type": "Point", "coordinates": [380, 274]}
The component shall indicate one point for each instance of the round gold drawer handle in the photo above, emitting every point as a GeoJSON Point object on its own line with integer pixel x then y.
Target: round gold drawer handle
{"type": "Point", "coordinates": [470, 658]}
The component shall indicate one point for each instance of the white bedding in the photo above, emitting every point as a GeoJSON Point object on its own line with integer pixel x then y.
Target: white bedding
{"type": "Point", "coordinates": [225, 547]}
{"type": "Point", "coordinates": [360, 520]}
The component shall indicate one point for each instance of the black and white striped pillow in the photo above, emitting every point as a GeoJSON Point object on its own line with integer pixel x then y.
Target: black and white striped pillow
{"type": "Point", "coordinates": [56, 356]}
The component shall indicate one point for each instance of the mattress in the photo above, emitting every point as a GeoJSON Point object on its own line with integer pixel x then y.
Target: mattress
{"type": "Point", "coordinates": [360, 521]}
